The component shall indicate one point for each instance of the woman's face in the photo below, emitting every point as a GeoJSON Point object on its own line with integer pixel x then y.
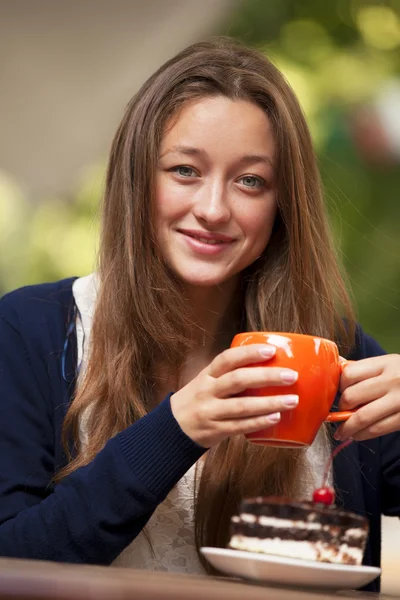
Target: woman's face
{"type": "Point", "coordinates": [215, 191]}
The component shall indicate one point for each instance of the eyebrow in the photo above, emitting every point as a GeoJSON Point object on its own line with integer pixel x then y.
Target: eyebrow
{"type": "Point", "coordinates": [246, 159]}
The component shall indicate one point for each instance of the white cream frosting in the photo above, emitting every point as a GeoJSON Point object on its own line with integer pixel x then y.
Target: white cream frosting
{"type": "Point", "coordinates": [318, 551]}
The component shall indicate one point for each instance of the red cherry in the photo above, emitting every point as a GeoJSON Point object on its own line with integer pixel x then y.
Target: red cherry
{"type": "Point", "coordinates": [324, 495]}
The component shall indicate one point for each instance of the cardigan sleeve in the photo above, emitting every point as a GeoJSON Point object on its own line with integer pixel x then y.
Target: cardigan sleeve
{"type": "Point", "coordinates": [94, 513]}
{"type": "Point", "coordinates": [389, 445]}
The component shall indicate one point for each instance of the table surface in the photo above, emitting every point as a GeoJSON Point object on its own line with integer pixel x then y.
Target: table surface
{"type": "Point", "coordinates": [34, 580]}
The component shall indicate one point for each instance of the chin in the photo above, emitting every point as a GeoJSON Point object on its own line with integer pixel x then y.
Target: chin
{"type": "Point", "coordinates": [202, 280]}
{"type": "Point", "coordinates": [202, 275]}
{"type": "Point", "coordinates": [202, 283]}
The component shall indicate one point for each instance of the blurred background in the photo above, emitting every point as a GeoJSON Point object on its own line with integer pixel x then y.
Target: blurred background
{"type": "Point", "coordinates": [67, 70]}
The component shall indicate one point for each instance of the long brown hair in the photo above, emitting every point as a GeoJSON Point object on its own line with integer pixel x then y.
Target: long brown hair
{"type": "Point", "coordinates": [141, 314]}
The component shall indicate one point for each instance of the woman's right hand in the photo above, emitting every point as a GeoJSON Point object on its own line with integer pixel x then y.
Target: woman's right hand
{"type": "Point", "coordinates": [208, 409]}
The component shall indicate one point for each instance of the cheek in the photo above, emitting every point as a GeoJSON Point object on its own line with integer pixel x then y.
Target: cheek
{"type": "Point", "coordinates": [258, 223]}
{"type": "Point", "coordinates": [170, 201]}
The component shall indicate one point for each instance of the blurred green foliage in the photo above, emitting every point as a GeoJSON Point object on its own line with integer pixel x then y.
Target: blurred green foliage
{"type": "Point", "coordinates": [53, 239]}
{"type": "Point", "coordinates": [336, 55]}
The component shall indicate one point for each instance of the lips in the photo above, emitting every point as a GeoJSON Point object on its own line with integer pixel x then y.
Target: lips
{"type": "Point", "coordinates": [206, 237]}
{"type": "Point", "coordinates": [205, 240]}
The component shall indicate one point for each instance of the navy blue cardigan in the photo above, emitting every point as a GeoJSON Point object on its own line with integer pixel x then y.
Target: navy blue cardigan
{"type": "Point", "coordinates": [93, 514]}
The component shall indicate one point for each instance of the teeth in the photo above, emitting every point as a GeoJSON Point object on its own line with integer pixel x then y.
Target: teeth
{"type": "Point", "coordinates": [206, 241]}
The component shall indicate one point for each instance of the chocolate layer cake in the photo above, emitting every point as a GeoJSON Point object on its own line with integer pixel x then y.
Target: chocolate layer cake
{"type": "Point", "coordinates": [299, 529]}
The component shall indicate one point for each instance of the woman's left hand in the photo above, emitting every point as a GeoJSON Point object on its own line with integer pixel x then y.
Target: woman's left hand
{"type": "Point", "coordinates": [373, 384]}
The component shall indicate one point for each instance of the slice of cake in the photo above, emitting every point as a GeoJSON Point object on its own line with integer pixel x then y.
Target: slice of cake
{"type": "Point", "coordinates": [299, 529]}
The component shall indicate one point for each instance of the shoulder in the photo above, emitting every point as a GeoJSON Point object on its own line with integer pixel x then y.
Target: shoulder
{"type": "Point", "coordinates": [39, 315]}
{"type": "Point", "coordinates": [365, 346]}
{"type": "Point", "coordinates": [35, 304]}
{"type": "Point", "coordinates": [35, 324]}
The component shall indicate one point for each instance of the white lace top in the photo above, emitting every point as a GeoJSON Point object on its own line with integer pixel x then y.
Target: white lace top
{"type": "Point", "coordinates": [171, 527]}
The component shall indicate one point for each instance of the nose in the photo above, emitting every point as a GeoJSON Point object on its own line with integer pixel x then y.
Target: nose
{"type": "Point", "coordinates": [212, 205]}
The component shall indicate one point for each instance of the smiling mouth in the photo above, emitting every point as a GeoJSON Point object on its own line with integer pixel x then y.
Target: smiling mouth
{"type": "Point", "coordinates": [206, 240]}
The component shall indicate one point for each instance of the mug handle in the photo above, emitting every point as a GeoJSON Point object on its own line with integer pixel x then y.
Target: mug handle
{"type": "Point", "coordinates": [337, 417]}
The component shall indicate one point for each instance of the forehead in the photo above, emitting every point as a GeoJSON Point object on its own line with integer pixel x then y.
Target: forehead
{"type": "Point", "coordinates": [219, 124]}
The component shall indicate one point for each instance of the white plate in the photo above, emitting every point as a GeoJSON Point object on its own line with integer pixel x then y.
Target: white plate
{"type": "Point", "coordinates": [269, 568]}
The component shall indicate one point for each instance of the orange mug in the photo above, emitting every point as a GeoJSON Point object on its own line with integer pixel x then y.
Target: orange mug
{"type": "Point", "coordinates": [317, 362]}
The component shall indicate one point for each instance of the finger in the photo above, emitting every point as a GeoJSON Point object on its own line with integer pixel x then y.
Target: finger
{"type": "Point", "coordinates": [363, 392]}
{"type": "Point", "coordinates": [250, 406]}
{"type": "Point", "coordinates": [359, 370]}
{"type": "Point", "coordinates": [382, 427]}
{"type": "Point", "coordinates": [252, 377]}
{"type": "Point", "coordinates": [366, 416]}
{"type": "Point", "coordinates": [242, 426]}
{"type": "Point", "coordinates": [233, 358]}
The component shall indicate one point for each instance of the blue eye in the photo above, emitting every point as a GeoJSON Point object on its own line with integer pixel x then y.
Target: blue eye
{"type": "Point", "coordinates": [183, 171]}
{"type": "Point", "coordinates": [253, 182]}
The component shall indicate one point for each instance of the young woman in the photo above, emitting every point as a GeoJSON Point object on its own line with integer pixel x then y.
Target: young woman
{"type": "Point", "coordinates": [120, 417]}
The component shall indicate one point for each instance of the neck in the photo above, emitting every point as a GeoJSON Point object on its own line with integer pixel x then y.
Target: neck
{"type": "Point", "coordinates": [215, 310]}
{"type": "Point", "coordinates": [214, 313]}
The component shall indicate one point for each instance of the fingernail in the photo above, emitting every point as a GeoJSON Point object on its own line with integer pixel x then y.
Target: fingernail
{"type": "Point", "coordinates": [274, 417]}
{"type": "Point", "coordinates": [290, 401]}
{"type": "Point", "coordinates": [340, 438]}
{"type": "Point", "coordinates": [267, 351]}
{"type": "Point", "coordinates": [289, 376]}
